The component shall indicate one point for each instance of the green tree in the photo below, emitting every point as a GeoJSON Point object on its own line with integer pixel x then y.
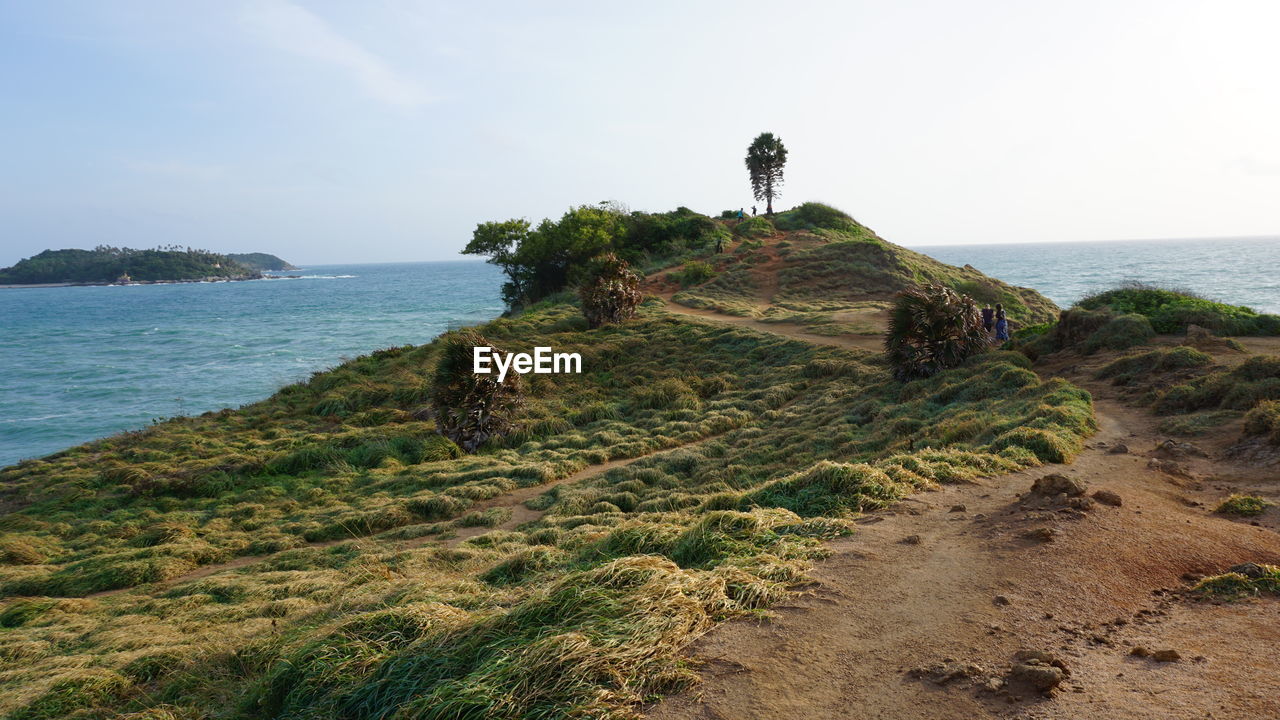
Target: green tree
{"type": "Point", "coordinates": [932, 328]}
{"type": "Point", "coordinates": [766, 157]}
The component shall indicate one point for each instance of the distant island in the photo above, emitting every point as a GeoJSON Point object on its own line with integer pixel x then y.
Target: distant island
{"type": "Point", "coordinates": [112, 265]}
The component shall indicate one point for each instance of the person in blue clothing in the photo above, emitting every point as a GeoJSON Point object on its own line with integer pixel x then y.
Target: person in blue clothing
{"type": "Point", "coordinates": [1002, 324]}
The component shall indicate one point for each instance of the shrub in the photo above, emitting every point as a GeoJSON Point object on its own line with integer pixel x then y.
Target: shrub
{"type": "Point", "coordinates": [1243, 506]}
{"type": "Point", "coordinates": [932, 328]}
{"type": "Point", "coordinates": [1254, 381]}
{"type": "Point", "coordinates": [694, 272]}
{"type": "Point", "coordinates": [471, 408]}
{"type": "Point", "coordinates": [815, 216]}
{"type": "Point", "coordinates": [755, 227]}
{"type": "Point", "coordinates": [1172, 311]}
{"type": "Point", "coordinates": [1233, 585]}
{"type": "Point", "coordinates": [1120, 333]}
{"type": "Point", "coordinates": [1131, 367]}
{"type": "Point", "coordinates": [1264, 420]}
{"type": "Point", "coordinates": [613, 293]}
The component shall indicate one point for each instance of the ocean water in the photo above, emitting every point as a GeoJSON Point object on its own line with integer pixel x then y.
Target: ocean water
{"type": "Point", "coordinates": [1240, 271]}
{"type": "Point", "coordinates": [78, 363]}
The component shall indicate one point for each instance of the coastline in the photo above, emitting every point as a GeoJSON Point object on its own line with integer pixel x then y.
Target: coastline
{"type": "Point", "coordinates": [143, 282]}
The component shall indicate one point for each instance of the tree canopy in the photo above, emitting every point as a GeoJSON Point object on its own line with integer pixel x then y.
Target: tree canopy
{"type": "Point", "coordinates": [766, 157]}
{"type": "Point", "coordinates": [542, 260]}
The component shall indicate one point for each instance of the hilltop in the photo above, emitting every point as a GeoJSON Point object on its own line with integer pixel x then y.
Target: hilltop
{"type": "Point", "coordinates": [818, 267]}
{"type": "Point", "coordinates": [261, 262]}
{"type": "Point", "coordinates": [738, 450]}
{"type": "Point", "coordinates": [109, 264]}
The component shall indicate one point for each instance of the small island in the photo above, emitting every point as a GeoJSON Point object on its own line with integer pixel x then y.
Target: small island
{"type": "Point", "coordinates": [106, 265]}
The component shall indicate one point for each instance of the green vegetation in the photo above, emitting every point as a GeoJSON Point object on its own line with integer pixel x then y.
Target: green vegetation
{"type": "Point", "coordinates": [261, 262]}
{"type": "Point", "coordinates": [1243, 387]}
{"type": "Point", "coordinates": [1085, 331]}
{"type": "Point", "coordinates": [766, 158]}
{"type": "Point", "coordinates": [1173, 311]}
{"type": "Point", "coordinates": [752, 449]}
{"type": "Point", "coordinates": [1243, 506]}
{"type": "Point", "coordinates": [470, 409]}
{"type": "Point", "coordinates": [694, 272]}
{"type": "Point", "coordinates": [1195, 424]}
{"type": "Point", "coordinates": [1235, 585]}
{"type": "Point", "coordinates": [612, 293]}
{"type": "Point", "coordinates": [1140, 366]}
{"type": "Point", "coordinates": [754, 227]}
{"type": "Point", "coordinates": [542, 261]}
{"type": "Point", "coordinates": [932, 329]}
{"type": "Point", "coordinates": [1264, 420]}
{"type": "Point", "coordinates": [829, 264]}
{"type": "Point", "coordinates": [107, 264]}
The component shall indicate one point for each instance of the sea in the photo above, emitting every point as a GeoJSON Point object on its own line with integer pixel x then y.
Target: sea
{"type": "Point", "coordinates": [79, 363]}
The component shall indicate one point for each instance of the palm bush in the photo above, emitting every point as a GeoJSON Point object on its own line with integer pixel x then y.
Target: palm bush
{"type": "Point", "coordinates": [471, 408]}
{"type": "Point", "coordinates": [932, 328]}
{"type": "Point", "coordinates": [612, 294]}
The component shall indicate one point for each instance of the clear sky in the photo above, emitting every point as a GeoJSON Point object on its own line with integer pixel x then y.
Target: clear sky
{"type": "Point", "coordinates": [384, 130]}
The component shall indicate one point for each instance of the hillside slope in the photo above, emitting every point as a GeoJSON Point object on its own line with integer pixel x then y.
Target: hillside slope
{"type": "Point", "coordinates": [323, 553]}
{"type": "Point", "coordinates": [815, 265]}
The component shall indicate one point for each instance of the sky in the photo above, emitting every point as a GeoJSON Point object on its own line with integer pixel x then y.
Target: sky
{"type": "Point", "coordinates": [385, 130]}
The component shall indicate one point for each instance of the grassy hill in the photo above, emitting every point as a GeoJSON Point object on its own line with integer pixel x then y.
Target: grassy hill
{"type": "Point", "coordinates": [814, 263]}
{"type": "Point", "coordinates": [323, 553]}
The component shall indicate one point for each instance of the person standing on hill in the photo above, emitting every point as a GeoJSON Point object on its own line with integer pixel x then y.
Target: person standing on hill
{"type": "Point", "coordinates": [1002, 324]}
{"type": "Point", "coordinates": [988, 319]}
{"type": "Point", "coordinates": [740, 214]}
{"type": "Point", "coordinates": [753, 211]}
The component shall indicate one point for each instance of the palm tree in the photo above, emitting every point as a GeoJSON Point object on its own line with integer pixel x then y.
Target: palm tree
{"type": "Point", "coordinates": [471, 408]}
{"type": "Point", "coordinates": [765, 158]}
{"type": "Point", "coordinates": [932, 328]}
{"type": "Point", "coordinates": [612, 294]}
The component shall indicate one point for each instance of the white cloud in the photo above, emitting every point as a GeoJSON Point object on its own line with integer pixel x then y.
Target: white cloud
{"type": "Point", "coordinates": [290, 28]}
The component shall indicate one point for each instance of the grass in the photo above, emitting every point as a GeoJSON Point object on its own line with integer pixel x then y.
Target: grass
{"type": "Point", "coordinates": [1264, 420]}
{"type": "Point", "coordinates": [1243, 506]}
{"type": "Point", "coordinates": [755, 449]}
{"type": "Point", "coordinates": [828, 263]}
{"type": "Point", "coordinates": [1234, 586]}
{"type": "Point", "coordinates": [1173, 311]}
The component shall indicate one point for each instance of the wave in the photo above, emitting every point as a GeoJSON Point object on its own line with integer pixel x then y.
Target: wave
{"type": "Point", "coordinates": [309, 277]}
